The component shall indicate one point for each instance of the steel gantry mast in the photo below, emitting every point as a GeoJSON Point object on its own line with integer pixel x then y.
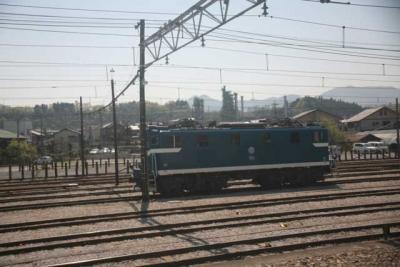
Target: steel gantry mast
{"type": "Point", "coordinates": [199, 20]}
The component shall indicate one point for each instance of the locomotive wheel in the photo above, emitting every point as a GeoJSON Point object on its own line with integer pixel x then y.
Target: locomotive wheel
{"type": "Point", "coordinates": [201, 184]}
{"type": "Point", "coordinates": [271, 180]}
{"type": "Point", "coordinates": [301, 177]}
{"type": "Point", "coordinates": [171, 186]}
{"type": "Point", "coordinates": [215, 184]}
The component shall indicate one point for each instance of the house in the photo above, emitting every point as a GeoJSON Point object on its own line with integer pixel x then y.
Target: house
{"type": "Point", "coordinates": [6, 137]}
{"type": "Point", "coordinates": [21, 127]}
{"type": "Point", "coordinates": [63, 142]}
{"type": "Point", "coordinates": [389, 137]}
{"type": "Point", "coordinates": [361, 137]}
{"type": "Point", "coordinates": [107, 134]}
{"type": "Point", "coordinates": [316, 115]}
{"type": "Point", "coordinates": [371, 119]}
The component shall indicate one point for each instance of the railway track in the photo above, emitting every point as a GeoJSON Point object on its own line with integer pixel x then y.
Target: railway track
{"type": "Point", "coordinates": [219, 251]}
{"type": "Point", "coordinates": [98, 237]}
{"type": "Point", "coordinates": [61, 222]}
{"type": "Point", "coordinates": [110, 191]}
{"type": "Point", "coordinates": [203, 221]}
{"type": "Point", "coordinates": [9, 191]}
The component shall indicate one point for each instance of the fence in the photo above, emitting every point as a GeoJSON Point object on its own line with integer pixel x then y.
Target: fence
{"type": "Point", "coordinates": [70, 168]}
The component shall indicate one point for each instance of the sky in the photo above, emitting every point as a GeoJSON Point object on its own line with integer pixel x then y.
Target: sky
{"type": "Point", "coordinates": [257, 57]}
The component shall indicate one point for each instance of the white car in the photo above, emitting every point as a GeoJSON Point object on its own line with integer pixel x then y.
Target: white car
{"type": "Point", "coordinates": [360, 147]}
{"type": "Point", "coordinates": [94, 151]}
{"type": "Point", "coordinates": [377, 147]}
{"type": "Point", "coordinates": [105, 150]}
{"type": "Point", "coordinates": [44, 160]}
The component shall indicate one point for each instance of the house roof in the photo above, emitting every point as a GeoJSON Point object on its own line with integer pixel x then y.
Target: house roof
{"type": "Point", "coordinates": [67, 129]}
{"type": "Point", "coordinates": [313, 110]}
{"type": "Point", "coordinates": [387, 136]}
{"type": "Point", "coordinates": [9, 135]}
{"type": "Point", "coordinates": [134, 127]}
{"type": "Point", "coordinates": [360, 137]}
{"type": "Point", "coordinates": [304, 113]}
{"type": "Point", "coordinates": [364, 114]}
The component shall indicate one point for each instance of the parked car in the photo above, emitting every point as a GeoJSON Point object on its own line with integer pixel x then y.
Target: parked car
{"type": "Point", "coordinates": [94, 151]}
{"type": "Point", "coordinates": [105, 150]}
{"type": "Point", "coordinates": [44, 160]}
{"type": "Point", "coordinates": [377, 147]}
{"type": "Point", "coordinates": [360, 147]}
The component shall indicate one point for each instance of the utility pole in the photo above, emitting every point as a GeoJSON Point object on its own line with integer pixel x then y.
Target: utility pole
{"type": "Point", "coordinates": [241, 107]}
{"type": "Point", "coordinates": [115, 131]}
{"type": "Point", "coordinates": [143, 134]}
{"type": "Point", "coordinates": [285, 106]}
{"type": "Point", "coordinates": [397, 127]}
{"type": "Point", "coordinates": [235, 99]}
{"type": "Point", "coordinates": [41, 130]}
{"type": "Point", "coordinates": [83, 165]}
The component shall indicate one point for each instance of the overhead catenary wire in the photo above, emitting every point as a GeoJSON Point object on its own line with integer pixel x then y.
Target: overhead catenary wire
{"type": "Point", "coordinates": [354, 4]}
{"type": "Point", "coordinates": [303, 48]}
{"type": "Point", "coordinates": [164, 13]}
{"type": "Point", "coordinates": [206, 47]}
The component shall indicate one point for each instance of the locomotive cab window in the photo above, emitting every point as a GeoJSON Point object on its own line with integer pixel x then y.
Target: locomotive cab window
{"type": "Point", "coordinates": [317, 137]}
{"type": "Point", "coordinates": [174, 141]}
{"type": "Point", "coordinates": [154, 140]}
{"type": "Point", "coordinates": [202, 140]}
{"type": "Point", "coordinates": [235, 139]}
{"type": "Point", "coordinates": [295, 138]}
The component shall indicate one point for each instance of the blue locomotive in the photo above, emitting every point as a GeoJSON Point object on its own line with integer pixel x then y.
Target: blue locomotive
{"type": "Point", "coordinates": [203, 160]}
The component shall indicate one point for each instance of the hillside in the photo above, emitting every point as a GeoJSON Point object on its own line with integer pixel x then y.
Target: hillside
{"type": "Point", "coordinates": [364, 96]}
{"type": "Point", "coordinates": [337, 107]}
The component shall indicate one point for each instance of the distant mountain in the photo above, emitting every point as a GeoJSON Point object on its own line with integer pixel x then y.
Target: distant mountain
{"type": "Point", "coordinates": [364, 96]}
{"type": "Point", "coordinates": [211, 104]}
{"type": "Point", "coordinates": [333, 106]}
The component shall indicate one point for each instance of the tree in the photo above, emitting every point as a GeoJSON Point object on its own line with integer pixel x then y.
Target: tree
{"type": "Point", "coordinates": [198, 106]}
{"type": "Point", "coordinates": [20, 152]}
{"type": "Point", "coordinates": [228, 112]}
{"type": "Point", "coordinates": [336, 136]}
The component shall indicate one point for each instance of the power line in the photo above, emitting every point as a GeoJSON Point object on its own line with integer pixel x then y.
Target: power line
{"type": "Point", "coordinates": [45, 87]}
{"type": "Point", "coordinates": [167, 13]}
{"type": "Point", "coordinates": [333, 44]}
{"type": "Point", "coordinates": [332, 25]}
{"type": "Point", "coordinates": [303, 48]}
{"type": "Point", "coordinates": [65, 46]}
{"type": "Point", "coordinates": [90, 10]}
{"type": "Point", "coordinates": [207, 47]}
{"type": "Point", "coordinates": [233, 36]}
{"type": "Point", "coordinates": [67, 26]}
{"type": "Point", "coordinates": [271, 72]}
{"type": "Point", "coordinates": [182, 66]}
{"type": "Point", "coordinates": [74, 22]}
{"type": "Point", "coordinates": [299, 57]}
{"type": "Point", "coordinates": [70, 32]}
{"type": "Point", "coordinates": [353, 4]}
{"type": "Point", "coordinates": [134, 20]}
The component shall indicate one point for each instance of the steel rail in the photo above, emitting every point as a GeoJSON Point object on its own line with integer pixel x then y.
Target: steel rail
{"type": "Point", "coordinates": [137, 197]}
{"type": "Point", "coordinates": [221, 245]}
{"type": "Point", "coordinates": [275, 249]}
{"type": "Point", "coordinates": [119, 190]}
{"type": "Point", "coordinates": [60, 179]}
{"type": "Point", "coordinates": [192, 209]}
{"type": "Point", "coordinates": [64, 189]}
{"type": "Point", "coordinates": [170, 228]}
